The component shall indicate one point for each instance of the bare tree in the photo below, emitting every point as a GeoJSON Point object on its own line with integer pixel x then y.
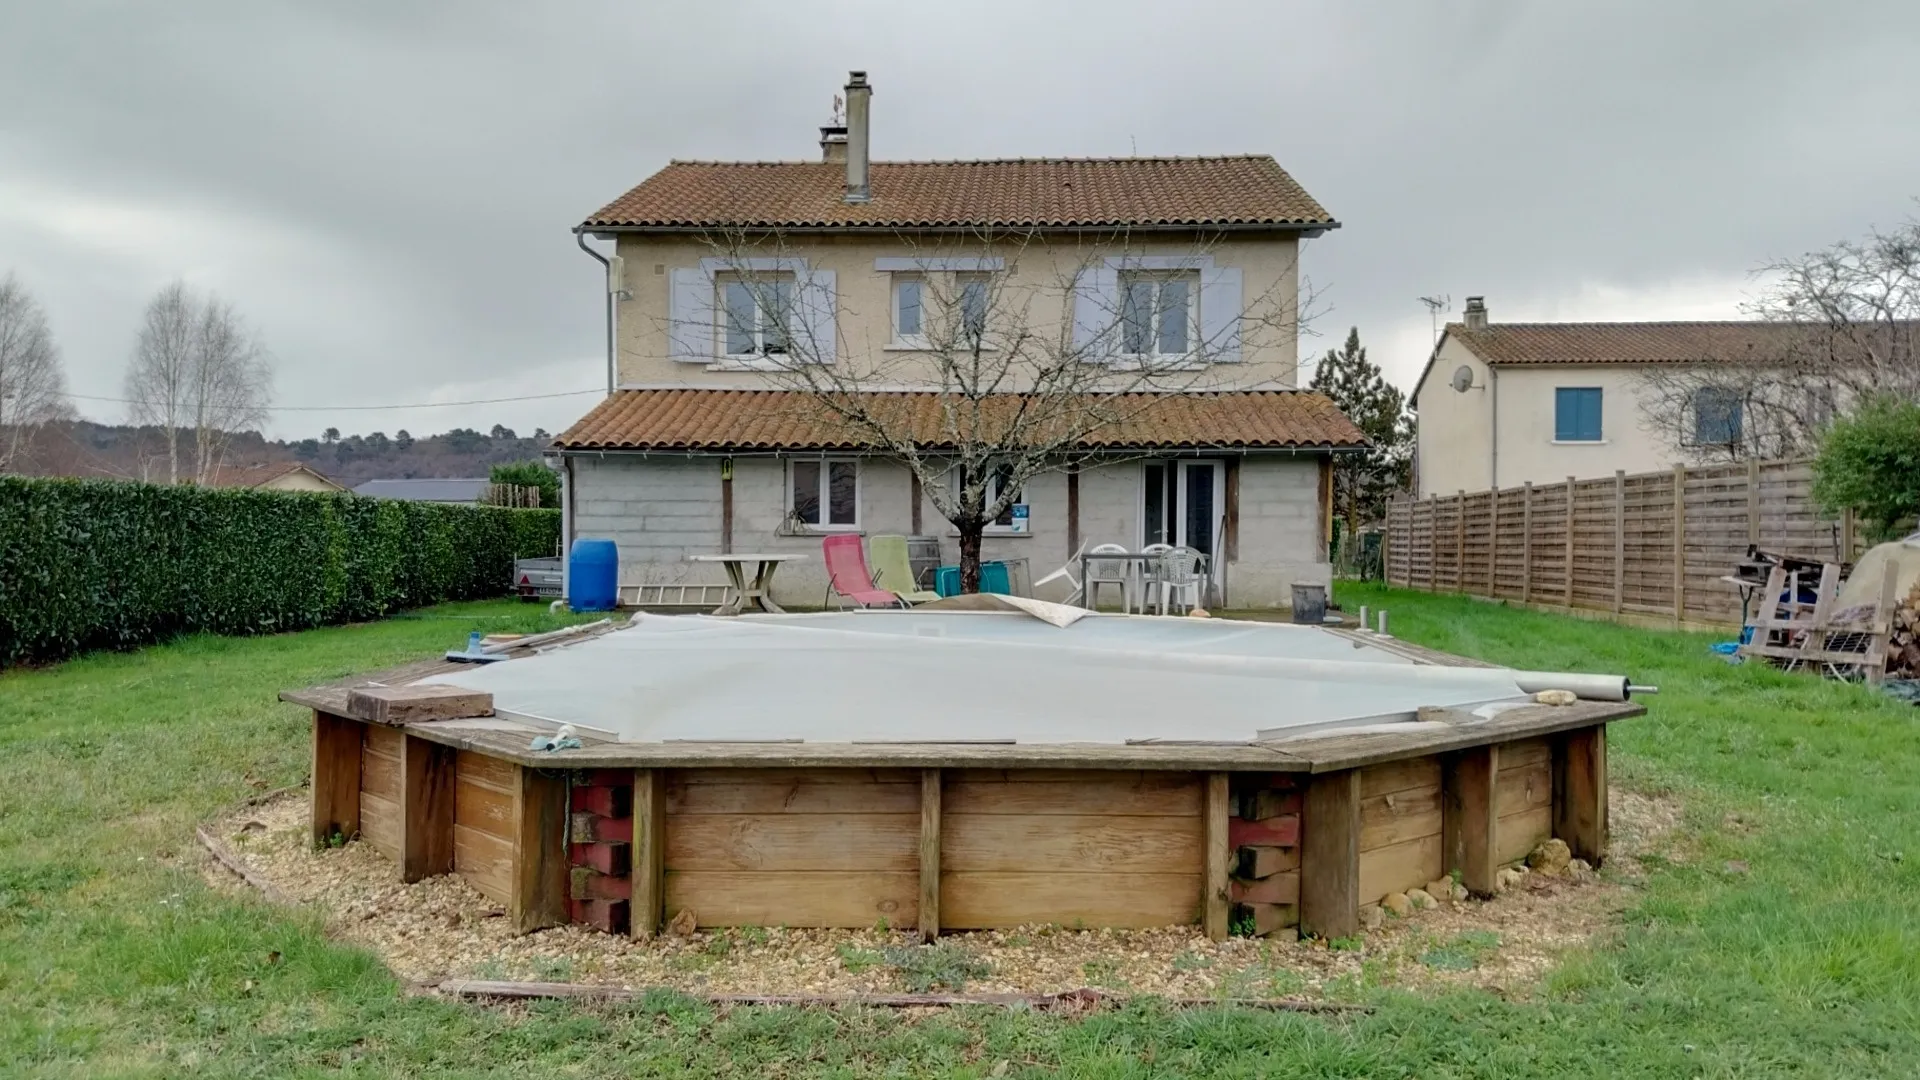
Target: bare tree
{"type": "Point", "coordinates": [1028, 356]}
{"type": "Point", "coordinates": [1836, 326]}
{"type": "Point", "coordinates": [196, 366]}
{"type": "Point", "coordinates": [33, 385]}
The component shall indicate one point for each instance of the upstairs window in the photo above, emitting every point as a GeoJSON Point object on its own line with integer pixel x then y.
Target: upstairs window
{"type": "Point", "coordinates": [1157, 314]}
{"type": "Point", "coordinates": [1576, 414]}
{"type": "Point", "coordinates": [757, 314]}
{"type": "Point", "coordinates": [824, 493]}
{"type": "Point", "coordinates": [973, 297]}
{"type": "Point", "coordinates": [909, 310]}
{"type": "Point", "coordinates": [1718, 416]}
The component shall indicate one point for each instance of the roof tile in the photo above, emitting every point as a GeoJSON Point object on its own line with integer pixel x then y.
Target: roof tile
{"type": "Point", "coordinates": [735, 420]}
{"type": "Point", "coordinates": [1030, 193]}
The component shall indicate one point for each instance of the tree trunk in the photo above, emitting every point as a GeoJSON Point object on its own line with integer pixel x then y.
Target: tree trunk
{"type": "Point", "coordinates": [970, 556]}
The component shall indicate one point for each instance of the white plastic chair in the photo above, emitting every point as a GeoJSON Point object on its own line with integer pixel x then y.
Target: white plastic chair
{"type": "Point", "coordinates": [1178, 573]}
{"type": "Point", "coordinates": [1109, 572]}
{"type": "Point", "coordinates": [1065, 573]}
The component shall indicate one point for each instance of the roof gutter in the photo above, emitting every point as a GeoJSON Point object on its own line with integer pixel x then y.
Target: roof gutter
{"type": "Point", "coordinates": [1125, 453]}
{"type": "Point", "coordinates": [1308, 229]}
{"type": "Point", "coordinates": [580, 237]}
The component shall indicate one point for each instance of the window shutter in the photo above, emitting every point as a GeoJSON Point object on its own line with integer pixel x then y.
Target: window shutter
{"type": "Point", "coordinates": [815, 302]}
{"type": "Point", "coordinates": [1096, 312]}
{"type": "Point", "coordinates": [1220, 312]}
{"type": "Point", "coordinates": [690, 316]}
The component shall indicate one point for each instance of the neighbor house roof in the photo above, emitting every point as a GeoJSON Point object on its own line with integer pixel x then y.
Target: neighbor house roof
{"type": "Point", "coordinates": [253, 476]}
{"type": "Point", "coordinates": [426, 490]}
{"type": "Point", "coordinates": [1017, 193]}
{"type": "Point", "coordinates": [723, 420]}
{"type": "Point", "coordinates": [1559, 344]}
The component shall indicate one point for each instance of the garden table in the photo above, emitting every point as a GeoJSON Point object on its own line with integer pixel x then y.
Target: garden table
{"type": "Point", "coordinates": [754, 591]}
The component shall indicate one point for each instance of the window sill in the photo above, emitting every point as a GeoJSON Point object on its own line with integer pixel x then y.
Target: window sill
{"type": "Point", "coordinates": [995, 533]}
{"type": "Point", "coordinates": [1148, 363]}
{"type": "Point", "coordinates": [957, 351]}
{"type": "Point", "coordinates": [1581, 442]}
{"type": "Point", "coordinates": [750, 363]}
{"type": "Point", "coordinates": [803, 531]}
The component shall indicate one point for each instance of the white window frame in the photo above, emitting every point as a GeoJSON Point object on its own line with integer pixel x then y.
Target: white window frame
{"type": "Point", "coordinates": [993, 492]}
{"type": "Point", "coordinates": [961, 281]}
{"type": "Point", "coordinates": [903, 340]}
{"type": "Point", "coordinates": [722, 283]}
{"type": "Point", "coordinates": [825, 494]}
{"type": "Point", "coordinates": [1154, 357]}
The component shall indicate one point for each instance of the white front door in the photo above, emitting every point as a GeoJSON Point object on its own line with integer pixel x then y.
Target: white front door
{"type": "Point", "coordinates": [1183, 503]}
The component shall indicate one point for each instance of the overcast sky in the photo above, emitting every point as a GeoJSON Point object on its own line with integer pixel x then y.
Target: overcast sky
{"type": "Point", "coordinates": [385, 188]}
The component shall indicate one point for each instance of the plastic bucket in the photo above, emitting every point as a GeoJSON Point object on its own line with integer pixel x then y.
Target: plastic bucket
{"type": "Point", "coordinates": [1309, 604]}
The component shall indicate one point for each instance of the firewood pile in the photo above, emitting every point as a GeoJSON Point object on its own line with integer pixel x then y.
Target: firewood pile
{"type": "Point", "coordinates": [1903, 641]}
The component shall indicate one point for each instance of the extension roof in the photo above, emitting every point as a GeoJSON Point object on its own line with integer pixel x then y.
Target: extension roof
{"type": "Point", "coordinates": [1247, 191]}
{"type": "Point", "coordinates": [702, 420]}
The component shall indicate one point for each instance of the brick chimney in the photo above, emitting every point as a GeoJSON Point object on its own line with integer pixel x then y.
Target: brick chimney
{"type": "Point", "coordinates": [833, 143]}
{"type": "Point", "coordinates": [859, 97]}
{"type": "Point", "coordinates": [1476, 313]}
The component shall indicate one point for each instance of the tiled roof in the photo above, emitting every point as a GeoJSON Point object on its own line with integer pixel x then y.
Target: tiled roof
{"type": "Point", "coordinates": [719, 420]}
{"type": "Point", "coordinates": [1036, 193]}
{"type": "Point", "coordinates": [1627, 342]}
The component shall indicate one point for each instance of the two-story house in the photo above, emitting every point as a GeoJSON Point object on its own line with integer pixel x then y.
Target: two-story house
{"type": "Point", "coordinates": [727, 274]}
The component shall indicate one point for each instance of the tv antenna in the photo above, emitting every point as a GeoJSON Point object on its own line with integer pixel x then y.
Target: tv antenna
{"type": "Point", "coordinates": [1435, 305]}
{"type": "Point", "coordinates": [839, 111]}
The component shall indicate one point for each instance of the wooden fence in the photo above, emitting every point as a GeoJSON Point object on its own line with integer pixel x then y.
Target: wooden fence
{"type": "Point", "coordinates": [1651, 544]}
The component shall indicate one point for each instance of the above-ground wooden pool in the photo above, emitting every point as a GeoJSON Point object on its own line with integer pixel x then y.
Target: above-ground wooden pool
{"type": "Point", "coordinates": [960, 771]}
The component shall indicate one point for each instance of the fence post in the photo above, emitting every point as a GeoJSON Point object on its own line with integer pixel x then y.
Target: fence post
{"type": "Point", "coordinates": [1526, 548]}
{"type": "Point", "coordinates": [1493, 542]}
{"type": "Point", "coordinates": [1619, 539]}
{"type": "Point", "coordinates": [1753, 501]}
{"type": "Point", "coordinates": [1569, 581]}
{"type": "Point", "coordinates": [1460, 541]}
{"type": "Point", "coordinates": [1679, 544]}
{"type": "Point", "coordinates": [1847, 528]}
{"type": "Point", "coordinates": [1433, 544]}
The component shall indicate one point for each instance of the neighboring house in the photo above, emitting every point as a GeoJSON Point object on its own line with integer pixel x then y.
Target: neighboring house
{"type": "Point", "coordinates": [702, 449]}
{"type": "Point", "coordinates": [1501, 404]}
{"type": "Point", "coordinates": [426, 490]}
{"type": "Point", "coordinates": [285, 476]}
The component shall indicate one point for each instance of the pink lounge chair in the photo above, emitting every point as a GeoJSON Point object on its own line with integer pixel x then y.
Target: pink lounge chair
{"type": "Point", "coordinates": [847, 574]}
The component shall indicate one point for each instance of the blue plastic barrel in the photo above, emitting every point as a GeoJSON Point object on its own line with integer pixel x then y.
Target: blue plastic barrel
{"type": "Point", "coordinates": [593, 575]}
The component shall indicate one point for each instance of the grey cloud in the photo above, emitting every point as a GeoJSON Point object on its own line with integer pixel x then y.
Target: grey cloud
{"type": "Point", "coordinates": [385, 189]}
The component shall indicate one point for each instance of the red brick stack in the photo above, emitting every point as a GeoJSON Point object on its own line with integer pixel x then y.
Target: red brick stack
{"type": "Point", "coordinates": [1264, 833]}
{"type": "Point", "coordinates": [601, 849]}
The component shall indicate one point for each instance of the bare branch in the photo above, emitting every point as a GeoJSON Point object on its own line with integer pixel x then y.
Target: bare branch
{"type": "Point", "coordinates": [196, 366]}
{"type": "Point", "coordinates": [33, 384]}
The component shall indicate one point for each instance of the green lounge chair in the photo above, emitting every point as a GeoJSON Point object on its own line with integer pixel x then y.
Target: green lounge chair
{"type": "Point", "coordinates": [893, 571]}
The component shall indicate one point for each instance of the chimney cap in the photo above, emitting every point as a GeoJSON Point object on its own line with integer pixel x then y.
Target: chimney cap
{"type": "Point", "coordinates": [856, 78]}
{"type": "Point", "coordinates": [1478, 303]}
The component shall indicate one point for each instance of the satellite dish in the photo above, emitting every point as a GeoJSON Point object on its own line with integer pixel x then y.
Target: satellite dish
{"type": "Point", "coordinates": [1462, 379]}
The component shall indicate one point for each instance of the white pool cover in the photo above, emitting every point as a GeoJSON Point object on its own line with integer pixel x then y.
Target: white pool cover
{"type": "Point", "coordinates": [971, 677]}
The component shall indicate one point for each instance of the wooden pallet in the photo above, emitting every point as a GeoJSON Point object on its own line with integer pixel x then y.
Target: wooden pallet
{"type": "Point", "coordinates": [1790, 633]}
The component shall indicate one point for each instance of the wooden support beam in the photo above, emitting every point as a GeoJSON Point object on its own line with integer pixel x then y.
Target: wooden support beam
{"type": "Point", "coordinates": [1580, 791]}
{"type": "Point", "coordinates": [726, 506]}
{"type": "Point", "coordinates": [1232, 515]}
{"type": "Point", "coordinates": [540, 870]}
{"type": "Point", "coordinates": [1073, 511]}
{"type": "Point", "coordinates": [929, 854]}
{"type": "Point", "coordinates": [649, 892]}
{"type": "Point", "coordinates": [336, 778]}
{"type": "Point", "coordinates": [1493, 541]}
{"type": "Point", "coordinates": [1469, 818]}
{"type": "Point", "coordinates": [1753, 500]}
{"type": "Point", "coordinates": [427, 784]}
{"type": "Point", "coordinates": [1330, 855]}
{"type": "Point", "coordinates": [914, 510]}
{"type": "Point", "coordinates": [1213, 831]}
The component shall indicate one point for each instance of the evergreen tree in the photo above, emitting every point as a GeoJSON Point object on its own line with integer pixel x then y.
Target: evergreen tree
{"type": "Point", "coordinates": [1363, 482]}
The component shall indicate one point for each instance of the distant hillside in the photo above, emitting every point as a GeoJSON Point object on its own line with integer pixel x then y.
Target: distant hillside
{"type": "Point", "coordinates": [84, 448]}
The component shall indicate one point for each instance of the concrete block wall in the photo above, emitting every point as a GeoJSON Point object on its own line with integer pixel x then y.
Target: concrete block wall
{"type": "Point", "coordinates": [660, 510]}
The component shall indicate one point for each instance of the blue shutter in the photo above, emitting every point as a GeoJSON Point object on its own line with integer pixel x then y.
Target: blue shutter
{"type": "Point", "coordinates": [1576, 414]}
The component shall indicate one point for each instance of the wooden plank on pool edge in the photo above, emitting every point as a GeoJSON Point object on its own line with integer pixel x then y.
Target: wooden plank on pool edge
{"type": "Point", "coordinates": [797, 842]}
{"type": "Point", "coordinates": [983, 900]}
{"type": "Point", "coordinates": [336, 777]}
{"type": "Point", "coordinates": [1071, 844]}
{"type": "Point", "coordinates": [428, 787]}
{"type": "Point", "coordinates": [1469, 822]}
{"type": "Point", "coordinates": [1330, 855]}
{"type": "Point", "coordinates": [817, 898]}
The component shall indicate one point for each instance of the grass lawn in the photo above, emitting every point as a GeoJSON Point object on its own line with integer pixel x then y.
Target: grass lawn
{"type": "Point", "coordinates": [1787, 942]}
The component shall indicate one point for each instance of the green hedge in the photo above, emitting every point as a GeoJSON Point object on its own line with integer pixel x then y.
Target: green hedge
{"type": "Point", "coordinates": [88, 564]}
